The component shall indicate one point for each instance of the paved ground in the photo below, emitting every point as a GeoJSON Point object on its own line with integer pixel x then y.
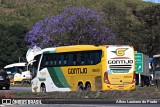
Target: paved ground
{"type": "Point", "coordinates": [82, 104]}
{"type": "Point", "coordinates": [17, 89]}
{"type": "Point", "coordinates": [86, 105]}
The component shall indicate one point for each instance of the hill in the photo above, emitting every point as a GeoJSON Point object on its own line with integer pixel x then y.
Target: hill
{"type": "Point", "coordinates": [18, 16]}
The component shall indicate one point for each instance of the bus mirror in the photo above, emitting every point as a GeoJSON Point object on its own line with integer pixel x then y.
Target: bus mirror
{"type": "Point", "coordinates": [31, 62]}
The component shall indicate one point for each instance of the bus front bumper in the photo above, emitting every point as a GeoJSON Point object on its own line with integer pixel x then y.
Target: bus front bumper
{"type": "Point", "coordinates": [120, 87]}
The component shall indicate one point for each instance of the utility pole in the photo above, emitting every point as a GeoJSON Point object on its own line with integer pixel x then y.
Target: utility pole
{"type": "Point", "coordinates": [19, 59]}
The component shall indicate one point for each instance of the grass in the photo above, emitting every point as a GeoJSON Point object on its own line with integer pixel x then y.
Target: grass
{"type": "Point", "coordinates": [139, 93]}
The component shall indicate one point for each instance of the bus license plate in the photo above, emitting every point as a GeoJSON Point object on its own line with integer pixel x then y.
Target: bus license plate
{"type": "Point", "coordinates": [121, 87]}
{"type": "Point", "coordinates": [1, 78]}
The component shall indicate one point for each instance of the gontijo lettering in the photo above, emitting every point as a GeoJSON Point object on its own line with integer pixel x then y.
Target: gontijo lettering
{"type": "Point", "coordinates": [77, 70]}
{"type": "Point", "coordinates": [120, 61]}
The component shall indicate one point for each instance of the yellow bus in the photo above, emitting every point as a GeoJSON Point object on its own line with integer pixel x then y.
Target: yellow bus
{"type": "Point", "coordinates": [80, 68]}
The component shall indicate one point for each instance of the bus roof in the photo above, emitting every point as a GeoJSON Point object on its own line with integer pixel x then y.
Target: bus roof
{"type": "Point", "coordinates": [69, 48]}
{"type": "Point", "coordinates": [120, 46]}
{"type": "Point", "coordinates": [77, 48]}
{"type": "Point", "coordinates": [158, 55]}
{"type": "Point", "coordinates": [15, 64]}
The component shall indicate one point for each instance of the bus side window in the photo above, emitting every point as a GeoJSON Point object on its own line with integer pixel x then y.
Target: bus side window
{"type": "Point", "coordinates": [70, 58]}
{"type": "Point", "coordinates": [51, 60]}
{"type": "Point", "coordinates": [46, 59]}
{"type": "Point", "coordinates": [58, 60]}
{"type": "Point", "coordinates": [54, 60]}
{"type": "Point", "coordinates": [61, 59]}
{"type": "Point", "coordinates": [78, 60]}
{"type": "Point", "coordinates": [91, 56]}
{"type": "Point", "coordinates": [82, 58]}
{"type": "Point", "coordinates": [98, 55]}
{"type": "Point", "coordinates": [65, 59]}
{"type": "Point", "coordinates": [87, 58]}
{"type": "Point", "coordinates": [74, 59]}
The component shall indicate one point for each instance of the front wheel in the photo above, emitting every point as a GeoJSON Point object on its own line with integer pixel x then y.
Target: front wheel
{"type": "Point", "coordinates": [80, 87]}
{"type": "Point", "coordinates": [1, 88]}
{"type": "Point", "coordinates": [7, 88]}
{"type": "Point", "coordinates": [25, 83]}
{"type": "Point", "coordinates": [43, 89]}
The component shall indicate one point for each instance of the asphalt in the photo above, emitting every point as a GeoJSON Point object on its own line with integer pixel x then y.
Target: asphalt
{"type": "Point", "coordinates": [18, 89]}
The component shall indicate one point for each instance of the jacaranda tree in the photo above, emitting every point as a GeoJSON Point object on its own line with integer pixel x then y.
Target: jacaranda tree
{"type": "Point", "coordinates": [71, 27]}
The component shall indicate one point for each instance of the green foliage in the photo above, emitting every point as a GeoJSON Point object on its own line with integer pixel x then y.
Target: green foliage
{"type": "Point", "coordinates": [12, 45]}
{"type": "Point", "coordinates": [140, 94]}
{"type": "Point", "coordinates": [127, 16]}
{"type": "Point", "coordinates": [118, 22]}
{"type": "Point", "coordinates": [148, 31]}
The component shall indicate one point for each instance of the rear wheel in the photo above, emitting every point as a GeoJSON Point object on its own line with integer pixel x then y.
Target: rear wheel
{"type": "Point", "coordinates": [43, 88]}
{"type": "Point", "coordinates": [88, 87]}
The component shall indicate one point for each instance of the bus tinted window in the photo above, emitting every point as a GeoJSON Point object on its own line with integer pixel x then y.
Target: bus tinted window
{"type": "Point", "coordinates": [71, 58]}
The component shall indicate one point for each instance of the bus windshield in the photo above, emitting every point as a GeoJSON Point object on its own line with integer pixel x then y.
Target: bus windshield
{"type": "Point", "coordinates": [156, 62]}
{"type": "Point", "coordinates": [14, 70]}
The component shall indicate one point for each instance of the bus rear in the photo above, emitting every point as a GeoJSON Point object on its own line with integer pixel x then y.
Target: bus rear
{"type": "Point", "coordinates": [120, 70]}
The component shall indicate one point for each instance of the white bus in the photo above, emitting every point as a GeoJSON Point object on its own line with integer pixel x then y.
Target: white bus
{"type": "Point", "coordinates": [156, 70]}
{"type": "Point", "coordinates": [18, 73]}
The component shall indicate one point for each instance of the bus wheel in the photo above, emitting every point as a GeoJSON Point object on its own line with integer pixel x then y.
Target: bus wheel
{"type": "Point", "coordinates": [88, 87]}
{"type": "Point", "coordinates": [1, 88]}
{"type": "Point", "coordinates": [43, 88]}
{"type": "Point", "coordinates": [7, 88]}
{"type": "Point", "coordinates": [24, 83]}
{"type": "Point", "coordinates": [80, 87]}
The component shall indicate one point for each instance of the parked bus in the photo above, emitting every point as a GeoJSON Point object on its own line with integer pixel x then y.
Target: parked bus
{"type": "Point", "coordinates": [83, 67]}
{"type": "Point", "coordinates": [18, 73]}
{"type": "Point", "coordinates": [156, 70]}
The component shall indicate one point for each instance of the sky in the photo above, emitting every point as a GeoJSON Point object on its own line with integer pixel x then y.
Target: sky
{"type": "Point", "coordinates": [154, 1]}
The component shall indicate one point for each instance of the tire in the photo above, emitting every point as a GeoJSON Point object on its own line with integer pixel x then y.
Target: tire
{"type": "Point", "coordinates": [25, 83]}
{"type": "Point", "coordinates": [8, 87]}
{"type": "Point", "coordinates": [142, 83]}
{"type": "Point", "coordinates": [80, 87]}
{"type": "Point", "coordinates": [43, 88]}
{"type": "Point", "coordinates": [88, 87]}
{"type": "Point", "coordinates": [147, 82]}
{"type": "Point", "coordinates": [1, 88]}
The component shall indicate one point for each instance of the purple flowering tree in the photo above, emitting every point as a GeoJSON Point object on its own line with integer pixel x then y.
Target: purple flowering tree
{"type": "Point", "coordinates": [72, 27]}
